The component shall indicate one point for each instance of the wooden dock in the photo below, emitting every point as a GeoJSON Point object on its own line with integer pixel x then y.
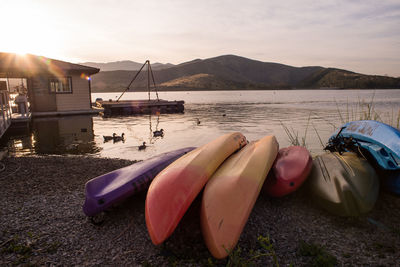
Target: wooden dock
{"type": "Point", "coordinates": [91, 111]}
{"type": "Point", "coordinates": [133, 107]}
{"type": "Point", "coordinates": [20, 121]}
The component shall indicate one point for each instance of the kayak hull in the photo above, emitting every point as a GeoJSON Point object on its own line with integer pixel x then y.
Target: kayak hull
{"type": "Point", "coordinates": [230, 194]}
{"type": "Point", "coordinates": [174, 189]}
{"type": "Point", "coordinates": [111, 188]}
{"type": "Point", "coordinates": [289, 171]}
{"type": "Point", "coordinates": [392, 181]}
{"type": "Point", "coordinates": [380, 143]}
{"type": "Point", "coordinates": [345, 185]}
{"type": "Point", "coordinates": [379, 139]}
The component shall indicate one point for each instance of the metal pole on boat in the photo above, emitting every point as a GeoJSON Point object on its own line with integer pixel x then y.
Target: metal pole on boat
{"type": "Point", "coordinates": [154, 83]}
{"type": "Point", "coordinates": [148, 78]}
{"type": "Point", "coordinates": [127, 88]}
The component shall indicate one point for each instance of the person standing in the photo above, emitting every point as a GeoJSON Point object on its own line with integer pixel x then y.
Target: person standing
{"type": "Point", "coordinates": [22, 102]}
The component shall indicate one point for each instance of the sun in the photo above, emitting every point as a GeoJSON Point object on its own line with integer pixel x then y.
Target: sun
{"type": "Point", "coordinates": [29, 31]}
{"type": "Point", "coordinates": [18, 49]}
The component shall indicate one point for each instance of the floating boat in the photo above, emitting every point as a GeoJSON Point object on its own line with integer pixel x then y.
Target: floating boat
{"type": "Point", "coordinates": [109, 189]}
{"type": "Point", "coordinates": [133, 107]}
{"type": "Point", "coordinates": [174, 189]}
{"type": "Point", "coordinates": [345, 185]}
{"type": "Point", "coordinates": [379, 139]}
{"type": "Point", "coordinates": [290, 169]}
{"type": "Point", "coordinates": [231, 192]}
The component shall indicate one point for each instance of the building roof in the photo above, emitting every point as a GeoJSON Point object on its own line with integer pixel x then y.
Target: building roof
{"type": "Point", "coordinates": [15, 65]}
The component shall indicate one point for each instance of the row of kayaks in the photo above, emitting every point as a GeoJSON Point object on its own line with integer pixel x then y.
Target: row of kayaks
{"type": "Point", "coordinates": [231, 172]}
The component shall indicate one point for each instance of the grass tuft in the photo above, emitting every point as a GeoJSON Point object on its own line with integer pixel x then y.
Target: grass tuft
{"type": "Point", "coordinates": [266, 249]}
{"type": "Point", "coordinates": [362, 110]}
{"type": "Point", "coordinates": [318, 255]}
{"type": "Point", "coordinates": [23, 248]}
{"type": "Point", "coordinates": [236, 259]}
{"type": "Point", "coordinates": [294, 135]}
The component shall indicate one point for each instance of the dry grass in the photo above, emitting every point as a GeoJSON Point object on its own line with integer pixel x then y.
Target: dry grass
{"type": "Point", "coordinates": [362, 110]}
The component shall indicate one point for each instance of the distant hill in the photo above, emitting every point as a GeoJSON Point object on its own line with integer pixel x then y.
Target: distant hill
{"type": "Point", "coordinates": [330, 77]}
{"type": "Point", "coordinates": [231, 72]}
{"type": "Point", "coordinates": [202, 81]}
{"type": "Point", "coordinates": [124, 65]}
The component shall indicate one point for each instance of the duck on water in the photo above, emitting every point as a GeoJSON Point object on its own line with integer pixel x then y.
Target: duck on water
{"type": "Point", "coordinates": [143, 146]}
{"type": "Point", "coordinates": [114, 137]}
{"type": "Point", "coordinates": [119, 138]}
{"type": "Point", "coordinates": [158, 133]}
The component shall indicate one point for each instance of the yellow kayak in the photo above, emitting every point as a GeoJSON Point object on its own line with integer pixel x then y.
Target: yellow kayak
{"type": "Point", "coordinates": [231, 192]}
{"type": "Point", "coordinates": [174, 189]}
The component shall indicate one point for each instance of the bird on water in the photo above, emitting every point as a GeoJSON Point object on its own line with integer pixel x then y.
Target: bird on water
{"type": "Point", "coordinates": [108, 137]}
{"type": "Point", "coordinates": [142, 147]}
{"type": "Point", "coordinates": [117, 138]}
{"type": "Point", "coordinates": [158, 133]}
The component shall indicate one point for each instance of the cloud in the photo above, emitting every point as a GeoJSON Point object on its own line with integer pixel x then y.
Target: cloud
{"type": "Point", "coordinates": [358, 34]}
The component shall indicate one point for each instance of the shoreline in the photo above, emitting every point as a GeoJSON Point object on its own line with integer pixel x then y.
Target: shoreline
{"type": "Point", "coordinates": [241, 89]}
{"type": "Point", "coordinates": [42, 223]}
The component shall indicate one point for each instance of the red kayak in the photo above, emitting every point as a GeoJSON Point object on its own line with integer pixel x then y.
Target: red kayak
{"type": "Point", "coordinates": [291, 168]}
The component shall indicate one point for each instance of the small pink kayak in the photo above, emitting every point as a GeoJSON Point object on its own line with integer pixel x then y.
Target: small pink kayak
{"type": "Point", "coordinates": [291, 168]}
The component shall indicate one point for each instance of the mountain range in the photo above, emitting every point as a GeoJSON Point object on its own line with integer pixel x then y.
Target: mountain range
{"type": "Point", "coordinates": [230, 72]}
{"type": "Point", "coordinates": [125, 65]}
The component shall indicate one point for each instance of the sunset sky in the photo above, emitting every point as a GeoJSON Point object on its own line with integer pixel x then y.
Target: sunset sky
{"type": "Point", "coordinates": [357, 35]}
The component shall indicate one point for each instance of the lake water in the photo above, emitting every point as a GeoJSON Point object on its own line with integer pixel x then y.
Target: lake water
{"type": "Point", "coordinates": [313, 114]}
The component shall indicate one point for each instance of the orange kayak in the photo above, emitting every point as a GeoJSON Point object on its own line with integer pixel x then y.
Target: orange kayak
{"type": "Point", "coordinates": [231, 192]}
{"type": "Point", "coordinates": [174, 189]}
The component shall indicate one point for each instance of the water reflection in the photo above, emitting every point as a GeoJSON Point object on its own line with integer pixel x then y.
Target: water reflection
{"type": "Point", "coordinates": [155, 128]}
{"type": "Point", "coordinates": [137, 129]}
{"type": "Point", "coordinates": [57, 135]}
{"type": "Point", "coordinates": [314, 118]}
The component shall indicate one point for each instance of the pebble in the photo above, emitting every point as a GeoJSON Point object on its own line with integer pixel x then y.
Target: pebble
{"type": "Point", "coordinates": [34, 202]}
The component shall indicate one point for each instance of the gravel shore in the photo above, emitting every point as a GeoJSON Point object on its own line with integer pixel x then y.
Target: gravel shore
{"type": "Point", "coordinates": [42, 223]}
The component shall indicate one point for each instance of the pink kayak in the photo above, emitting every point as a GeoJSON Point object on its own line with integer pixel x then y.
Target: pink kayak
{"type": "Point", "coordinates": [174, 189]}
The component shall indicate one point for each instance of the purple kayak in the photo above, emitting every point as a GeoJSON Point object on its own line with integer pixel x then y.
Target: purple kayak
{"type": "Point", "coordinates": [111, 188]}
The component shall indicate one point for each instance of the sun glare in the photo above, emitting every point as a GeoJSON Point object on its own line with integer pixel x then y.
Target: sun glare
{"type": "Point", "coordinates": [20, 50]}
{"type": "Point", "coordinates": [31, 33]}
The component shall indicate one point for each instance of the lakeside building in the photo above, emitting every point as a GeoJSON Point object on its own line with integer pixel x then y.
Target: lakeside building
{"type": "Point", "coordinates": [5, 116]}
{"type": "Point", "coordinates": [48, 87]}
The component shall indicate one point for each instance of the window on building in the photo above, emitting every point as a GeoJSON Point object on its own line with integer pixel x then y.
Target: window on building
{"type": "Point", "coordinates": [60, 85]}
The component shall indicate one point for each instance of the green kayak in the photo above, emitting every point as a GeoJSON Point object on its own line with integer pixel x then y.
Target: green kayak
{"type": "Point", "coordinates": [345, 185]}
